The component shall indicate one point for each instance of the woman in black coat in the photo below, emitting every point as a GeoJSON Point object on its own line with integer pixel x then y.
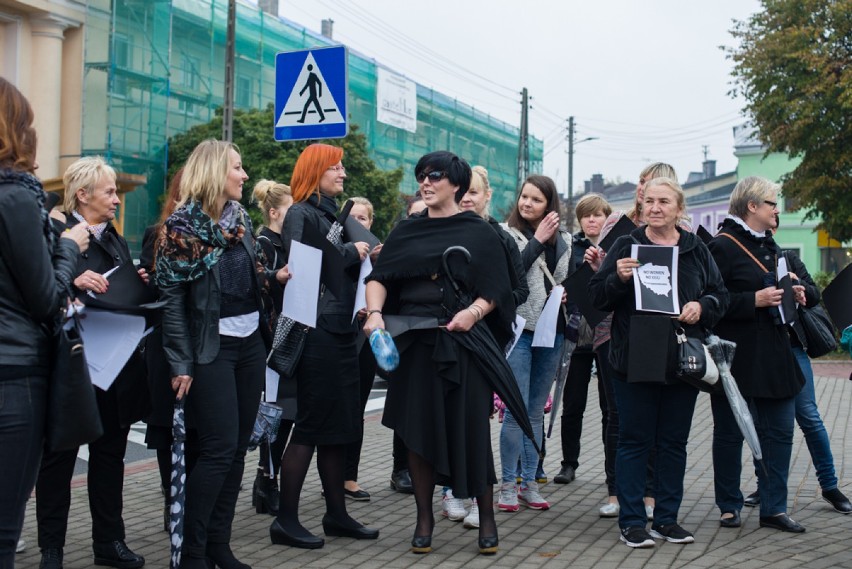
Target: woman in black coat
{"type": "Point", "coordinates": [764, 364]}
{"type": "Point", "coordinates": [327, 380]}
{"type": "Point", "coordinates": [655, 409]}
{"type": "Point", "coordinates": [36, 269]}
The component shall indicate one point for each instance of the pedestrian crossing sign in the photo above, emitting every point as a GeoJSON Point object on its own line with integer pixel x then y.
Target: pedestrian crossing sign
{"type": "Point", "coordinates": [311, 87]}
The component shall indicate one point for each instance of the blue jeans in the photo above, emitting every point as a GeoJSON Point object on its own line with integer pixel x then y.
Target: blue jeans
{"type": "Point", "coordinates": [807, 416]}
{"type": "Point", "coordinates": [534, 369]}
{"type": "Point", "coordinates": [773, 420]}
{"type": "Point", "coordinates": [651, 414]}
{"type": "Point", "coordinates": [22, 409]}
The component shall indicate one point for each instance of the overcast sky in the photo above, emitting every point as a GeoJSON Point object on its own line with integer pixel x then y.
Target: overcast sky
{"type": "Point", "coordinates": [646, 77]}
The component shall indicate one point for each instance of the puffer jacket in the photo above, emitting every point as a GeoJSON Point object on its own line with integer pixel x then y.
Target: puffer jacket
{"type": "Point", "coordinates": [32, 284]}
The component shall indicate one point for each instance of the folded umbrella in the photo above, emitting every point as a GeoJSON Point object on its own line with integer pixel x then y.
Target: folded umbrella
{"type": "Point", "coordinates": [178, 487]}
{"type": "Point", "coordinates": [489, 357]}
{"type": "Point", "coordinates": [561, 378]}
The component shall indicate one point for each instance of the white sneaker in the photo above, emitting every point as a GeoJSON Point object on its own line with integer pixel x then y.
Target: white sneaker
{"type": "Point", "coordinates": [508, 501]}
{"type": "Point", "coordinates": [609, 510]}
{"type": "Point", "coordinates": [22, 545]}
{"type": "Point", "coordinates": [472, 519]}
{"type": "Point", "coordinates": [530, 496]}
{"type": "Point", "coordinates": [649, 512]}
{"type": "Point", "coordinates": [453, 508]}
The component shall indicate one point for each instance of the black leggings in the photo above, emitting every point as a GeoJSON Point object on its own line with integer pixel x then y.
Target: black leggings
{"type": "Point", "coordinates": [367, 371]}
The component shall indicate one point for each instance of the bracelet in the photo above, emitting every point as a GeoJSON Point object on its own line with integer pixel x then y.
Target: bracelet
{"type": "Point", "coordinates": [475, 315]}
{"type": "Point", "coordinates": [478, 310]}
{"type": "Point", "coordinates": [371, 312]}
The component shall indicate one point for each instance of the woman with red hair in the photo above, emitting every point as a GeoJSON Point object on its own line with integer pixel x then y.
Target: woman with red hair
{"type": "Point", "coordinates": [328, 415]}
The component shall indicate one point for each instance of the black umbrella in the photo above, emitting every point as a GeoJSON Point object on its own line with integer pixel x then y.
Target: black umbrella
{"type": "Point", "coordinates": [178, 490]}
{"type": "Point", "coordinates": [489, 357]}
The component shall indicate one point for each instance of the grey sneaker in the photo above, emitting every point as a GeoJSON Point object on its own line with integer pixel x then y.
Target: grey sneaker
{"type": "Point", "coordinates": [508, 501]}
{"type": "Point", "coordinates": [530, 496]}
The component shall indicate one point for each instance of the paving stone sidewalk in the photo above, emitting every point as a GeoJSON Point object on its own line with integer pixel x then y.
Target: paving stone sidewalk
{"type": "Point", "coordinates": [570, 534]}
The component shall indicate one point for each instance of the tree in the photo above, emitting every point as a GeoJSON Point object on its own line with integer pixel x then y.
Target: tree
{"type": "Point", "coordinates": [794, 68]}
{"type": "Point", "coordinates": [263, 157]}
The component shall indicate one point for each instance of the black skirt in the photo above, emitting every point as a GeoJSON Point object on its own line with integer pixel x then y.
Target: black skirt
{"type": "Point", "coordinates": [439, 403]}
{"type": "Point", "coordinates": [327, 390]}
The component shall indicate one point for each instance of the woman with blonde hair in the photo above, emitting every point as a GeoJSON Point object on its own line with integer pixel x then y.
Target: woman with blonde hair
{"type": "Point", "coordinates": [211, 275]}
{"type": "Point", "coordinates": [326, 376]}
{"type": "Point", "coordinates": [274, 199]}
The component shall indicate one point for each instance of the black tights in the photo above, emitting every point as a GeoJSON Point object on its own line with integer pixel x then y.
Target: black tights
{"type": "Point", "coordinates": [294, 468]}
{"type": "Point", "coordinates": [423, 478]}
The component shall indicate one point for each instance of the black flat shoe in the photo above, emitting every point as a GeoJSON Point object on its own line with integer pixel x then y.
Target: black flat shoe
{"type": "Point", "coordinates": [51, 558]}
{"type": "Point", "coordinates": [332, 528]}
{"type": "Point", "coordinates": [838, 501]}
{"type": "Point", "coordinates": [421, 544]}
{"type": "Point", "coordinates": [752, 500]}
{"type": "Point", "coordinates": [116, 554]}
{"type": "Point", "coordinates": [221, 556]}
{"type": "Point", "coordinates": [565, 476]}
{"type": "Point", "coordinates": [359, 495]}
{"type": "Point", "coordinates": [732, 522]}
{"type": "Point", "coordinates": [488, 545]}
{"type": "Point", "coordinates": [781, 522]}
{"type": "Point", "coordinates": [401, 482]}
{"type": "Point", "coordinates": [280, 536]}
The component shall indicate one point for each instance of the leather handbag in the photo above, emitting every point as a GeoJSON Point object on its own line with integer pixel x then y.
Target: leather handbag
{"type": "Point", "coordinates": [287, 346]}
{"type": "Point", "coordinates": [695, 365]}
{"type": "Point", "coordinates": [73, 418]}
{"type": "Point", "coordinates": [819, 331]}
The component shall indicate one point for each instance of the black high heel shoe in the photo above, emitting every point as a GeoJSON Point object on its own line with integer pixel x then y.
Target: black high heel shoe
{"type": "Point", "coordinates": [221, 556]}
{"type": "Point", "coordinates": [333, 528]}
{"type": "Point", "coordinates": [265, 495]}
{"type": "Point", "coordinates": [488, 545]}
{"type": "Point", "coordinates": [280, 536]}
{"type": "Point", "coordinates": [421, 544]}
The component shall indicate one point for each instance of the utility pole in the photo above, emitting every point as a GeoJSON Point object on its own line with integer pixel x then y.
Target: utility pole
{"type": "Point", "coordinates": [570, 162]}
{"type": "Point", "coordinates": [524, 143]}
{"type": "Point", "coordinates": [228, 103]}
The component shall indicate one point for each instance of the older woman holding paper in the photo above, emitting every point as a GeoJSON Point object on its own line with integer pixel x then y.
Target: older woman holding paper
{"type": "Point", "coordinates": [328, 416]}
{"type": "Point", "coordinates": [654, 407]}
{"type": "Point", "coordinates": [546, 257]}
{"type": "Point", "coordinates": [212, 277]}
{"type": "Point", "coordinates": [91, 198]}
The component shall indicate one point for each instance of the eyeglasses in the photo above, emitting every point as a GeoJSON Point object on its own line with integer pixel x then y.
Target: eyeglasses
{"type": "Point", "coordinates": [434, 176]}
{"type": "Point", "coordinates": [340, 169]}
{"type": "Point", "coordinates": [773, 205]}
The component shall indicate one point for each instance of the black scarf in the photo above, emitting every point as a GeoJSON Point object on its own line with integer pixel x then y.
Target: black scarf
{"type": "Point", "coordinates": [31, 183]}
{"type": "Point", "coordinates": [415, 247]}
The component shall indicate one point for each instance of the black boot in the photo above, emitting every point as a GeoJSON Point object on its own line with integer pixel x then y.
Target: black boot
{"type": "Point", "coordinates": [116, 554]}
{"type": "Point", "coordinates": [265, 494]}
{"type": "Point", "coordinates": [51, 558]}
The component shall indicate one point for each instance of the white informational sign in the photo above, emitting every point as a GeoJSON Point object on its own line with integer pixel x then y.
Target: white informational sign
{"type": "Point", "coordinates": [545, 329]}
{"type": "Point", "coordinates": [396, 100]}
{"type": "Point", "coordinates": [361, 291]}
{"type": "Point", "coordinates": [655, 280]}
{"type": "Point", "coordinates": [302, 291]}
{"type": "Point", "coordinates": [109, 338]}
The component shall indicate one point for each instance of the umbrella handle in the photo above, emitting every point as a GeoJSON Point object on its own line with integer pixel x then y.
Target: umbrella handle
{"type": "Point", "coordinates": [449, 251]}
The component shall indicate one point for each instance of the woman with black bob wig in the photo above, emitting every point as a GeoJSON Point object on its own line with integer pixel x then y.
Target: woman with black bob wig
{"type": "Point", "coordinates": [439, 401]}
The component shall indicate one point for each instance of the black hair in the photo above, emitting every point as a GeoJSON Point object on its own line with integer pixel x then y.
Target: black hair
{"type": "Point", "coordinates": [456, 169]}
{"type": "Point", "coordinates": [548, 188]}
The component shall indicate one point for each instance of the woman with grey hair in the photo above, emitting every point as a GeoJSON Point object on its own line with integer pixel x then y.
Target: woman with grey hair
{"type": "Point", "coordinates": [764, 365]}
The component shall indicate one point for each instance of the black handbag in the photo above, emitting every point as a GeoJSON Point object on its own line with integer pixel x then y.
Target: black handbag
{"type": "Point", "coordinates": [73, 418]}
{"type": "Point", "coordinates": [819, 331]}
{"type": "Point", "coordinates": [288, 343]}
{"type": "Point", "coordinates": [695, 366]}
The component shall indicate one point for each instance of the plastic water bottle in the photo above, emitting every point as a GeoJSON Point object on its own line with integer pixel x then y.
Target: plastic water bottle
{"type": "Point", "coordinates": [387, 356]}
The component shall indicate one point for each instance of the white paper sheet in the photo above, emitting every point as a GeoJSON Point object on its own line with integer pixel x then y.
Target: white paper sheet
{"type": "Point", "coordinates": [655, 281]}
{"type": "Point", "coordinates": [109, 338]}
{"type": "Point", "coordinates": [302, 291]}
{"type": "Point", "coordinates": [271, 385]}
{"type": "Point", "coordinates": [782, 272]}
{"type": "Point", "coordinates": [361, 291]}
{"type": "Point", "coordinates": [518, 329]}
{"type": "Point", "coordinates": [545, 328]}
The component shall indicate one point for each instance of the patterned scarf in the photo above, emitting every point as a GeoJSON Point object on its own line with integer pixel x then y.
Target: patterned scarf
{"type": "Point", "coordinates": [193, 243]}
{"type": "Point", "coordinates": [31, 183]}
{"type": "Point", "coordinates": [96, 230]}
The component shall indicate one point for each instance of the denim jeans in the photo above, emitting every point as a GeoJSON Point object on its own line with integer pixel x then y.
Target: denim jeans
{"type": "Point", "coordinates": [652, 414]}
{"type": "Point", "coordinates": [22, 408]}
{"type": "Point", "coordinates": [807, 416]}
{"type": "Point", "coordinates": [535, 370]}
{"type": "Point", "coordinates": [773, 420]}
{"type": "Point", "coordinates": [223, 402]}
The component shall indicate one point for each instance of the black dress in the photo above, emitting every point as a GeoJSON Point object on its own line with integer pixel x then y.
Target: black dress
{"type": "Point", "coordinates": [327, 380]}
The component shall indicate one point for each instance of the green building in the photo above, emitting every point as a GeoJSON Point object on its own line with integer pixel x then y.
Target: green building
{"type": "Point", "coordinates": [155, 68]}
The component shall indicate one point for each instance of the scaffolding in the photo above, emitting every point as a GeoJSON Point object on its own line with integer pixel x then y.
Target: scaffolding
{"type": "Point", "coordinates": [154, 69]}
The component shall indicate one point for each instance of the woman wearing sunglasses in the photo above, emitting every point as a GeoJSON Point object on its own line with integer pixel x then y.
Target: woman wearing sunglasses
{"type": "Point", "coordinates": [439, 401]}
